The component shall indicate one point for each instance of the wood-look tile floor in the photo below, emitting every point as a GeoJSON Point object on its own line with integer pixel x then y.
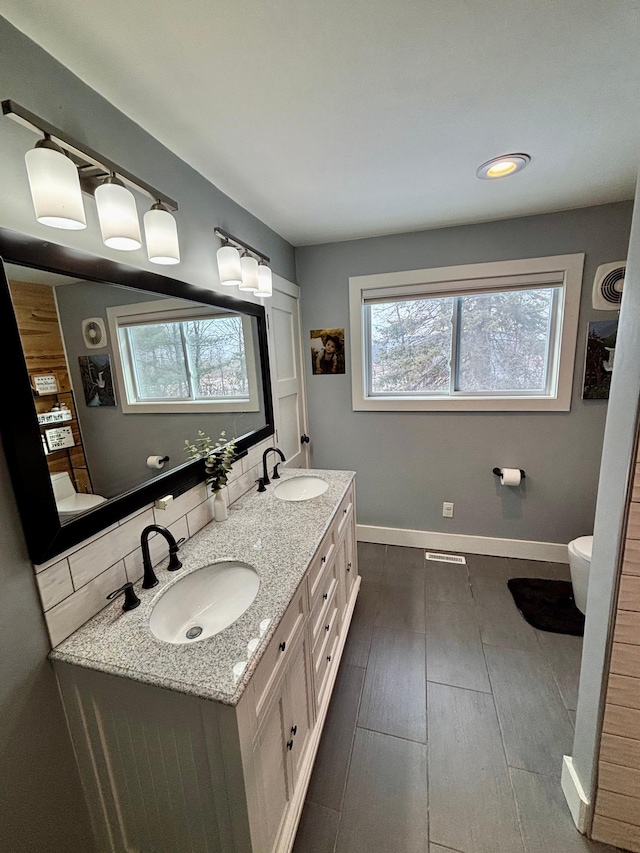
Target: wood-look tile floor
{"type": "Point", "coordinates": [449, 718]}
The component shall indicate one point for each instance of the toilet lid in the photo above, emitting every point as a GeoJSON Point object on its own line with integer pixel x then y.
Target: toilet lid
{"type": "Point", "coordinates": [583, 546]}
{"type": "Point", "coordinates": [79, 502]}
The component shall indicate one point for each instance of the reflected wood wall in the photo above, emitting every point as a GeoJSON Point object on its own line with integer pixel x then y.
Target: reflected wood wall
{"type": "Point", "coordinates": [37, 317]}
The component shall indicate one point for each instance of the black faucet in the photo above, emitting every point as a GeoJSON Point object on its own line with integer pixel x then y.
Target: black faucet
{"type": "Point", "coordinates": [131, 600]}
{"type": "Point", "coordinates": [276, 476]}
{"type": "Point", "coordinates": [150, 579]}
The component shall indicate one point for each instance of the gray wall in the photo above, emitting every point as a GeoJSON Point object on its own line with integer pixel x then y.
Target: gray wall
{"type": "Point", "coordinates": [41, 802]}
{"type": "Point", "coordinates": [117, 444]}
{"type": "Point", "coordinates": [615, 476]}
{"type": "Point", "coordinates": [41, 806]}
{"type": "Point", "coordinates": [409, 463]}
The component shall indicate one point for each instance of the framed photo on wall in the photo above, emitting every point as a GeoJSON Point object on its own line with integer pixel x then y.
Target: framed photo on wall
{"type": "Point", "coordinates": [327, 351]}
{"type": "Point", "coordinates": [598, 365]}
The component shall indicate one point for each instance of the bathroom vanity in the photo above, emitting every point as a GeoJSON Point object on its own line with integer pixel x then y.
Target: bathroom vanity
{"type": "Point", "coordinates": [176, 752]}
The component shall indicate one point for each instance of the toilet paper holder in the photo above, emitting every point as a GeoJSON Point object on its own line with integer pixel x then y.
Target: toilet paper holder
{"type": "Point", "coordinates": [498, 472]}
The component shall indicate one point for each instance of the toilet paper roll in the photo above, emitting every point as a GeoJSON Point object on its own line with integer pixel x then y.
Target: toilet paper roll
{"type": "Point", "coordinates": [510, 477]}
{"type": "Point", "coordinates": [155, 462]}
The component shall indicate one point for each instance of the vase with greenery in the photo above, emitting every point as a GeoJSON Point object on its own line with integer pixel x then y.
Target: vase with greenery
{"type": "Point", "coordinates": [218, 458]}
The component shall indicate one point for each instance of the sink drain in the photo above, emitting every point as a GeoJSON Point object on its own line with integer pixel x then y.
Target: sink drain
{"type": "Point", "coordinates": [194, 632]}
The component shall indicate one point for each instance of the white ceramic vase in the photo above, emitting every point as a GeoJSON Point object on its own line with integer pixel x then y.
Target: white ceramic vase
{"type": "Point", "coordinates": [220, 510]}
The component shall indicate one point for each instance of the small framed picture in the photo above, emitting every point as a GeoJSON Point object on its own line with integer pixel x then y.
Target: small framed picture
{"type": "Point", "coordinates": [59, 438]}
{"type": "Point", "coordinates": [45, 383]}
{"type": "Point", "coordinates": [598, 365]}
{"type": "Point", "coordinates": [327, 351]}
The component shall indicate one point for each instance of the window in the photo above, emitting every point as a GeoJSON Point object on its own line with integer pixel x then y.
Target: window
{"type": "Point", "coordinates": [182, 359]}
{"type": "Point", "coordinates": [487, 336]}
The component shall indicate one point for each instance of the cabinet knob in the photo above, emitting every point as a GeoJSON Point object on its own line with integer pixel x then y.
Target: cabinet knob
{"type": "Point", "coordinates": [326, 627]}
{"type": "Point", "coordinates": [324, 559]}
{"type": "Point", "coordinates": [329, 658]}
{"type": "Point", "coordinates": [283, 645]}
{"type": "Point", "coordinates": [345, 510]}
{"type": "Point", "coordinates": [325, 596]}
{"type": "Point", "coordinates": [294, 730]}
{"type": "Point", "coordinates": [289, 744]}
{"type": "Point", "coordinates": [348, 567]}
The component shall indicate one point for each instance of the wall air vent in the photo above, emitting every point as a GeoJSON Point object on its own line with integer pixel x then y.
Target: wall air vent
{"type": "Point", "coordinates": [94, 333]}
{"type": "Point", "coordinates": [446, 558]}
{"type": "Point", "coordinates": [607, 286]}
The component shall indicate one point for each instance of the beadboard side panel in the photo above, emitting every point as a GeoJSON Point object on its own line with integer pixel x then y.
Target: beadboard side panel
{"type": "Point", "coordinates": [152, 766]}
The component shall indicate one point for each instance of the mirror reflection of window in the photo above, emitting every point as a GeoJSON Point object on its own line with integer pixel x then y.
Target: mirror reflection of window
{"type": "Point", "coordinates": [187, 360]}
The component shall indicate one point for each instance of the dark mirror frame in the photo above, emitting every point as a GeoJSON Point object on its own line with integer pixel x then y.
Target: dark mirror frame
{"type": "Point", "coordinates": [46, 537]}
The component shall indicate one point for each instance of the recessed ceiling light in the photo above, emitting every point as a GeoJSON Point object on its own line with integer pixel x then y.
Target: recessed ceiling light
{"type": "Point", "coordinates": [500, 167]}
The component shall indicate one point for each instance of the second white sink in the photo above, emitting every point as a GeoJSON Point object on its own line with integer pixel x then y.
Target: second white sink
{"type": "Point", "coordinates": [204, 602]}
{"type": "Point", "coordinates": [301, 488]}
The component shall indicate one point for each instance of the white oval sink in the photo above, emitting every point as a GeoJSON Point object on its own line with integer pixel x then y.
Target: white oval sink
{"type": "Point", "coordinates": [204, 602]}
{"type": "Point", "coordinates": [300, 488]}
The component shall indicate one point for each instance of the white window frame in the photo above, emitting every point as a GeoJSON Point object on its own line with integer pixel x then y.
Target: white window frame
{"type": "Point", "coordinates": [175, 310]}
{"type": "Point", "coordinates": [564, 270]}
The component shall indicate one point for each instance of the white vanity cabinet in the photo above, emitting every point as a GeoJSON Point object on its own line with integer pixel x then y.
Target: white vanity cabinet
{"type": "Point", "coordinates": [166, 772]}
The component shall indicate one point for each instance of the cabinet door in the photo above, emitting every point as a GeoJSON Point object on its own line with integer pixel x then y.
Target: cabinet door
{"type": "Point", "coordinates": [301, 706]}
{"type": "Point", "coordinates": [271, 761]}
{"type": "Point", "coordinates": [351, 557]}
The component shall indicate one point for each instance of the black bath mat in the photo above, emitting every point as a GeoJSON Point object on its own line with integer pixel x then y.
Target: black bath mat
{"type": "Point", "coordinates": [548, 605]}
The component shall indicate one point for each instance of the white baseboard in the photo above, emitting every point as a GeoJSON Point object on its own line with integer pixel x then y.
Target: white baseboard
{"type": "Point", "coordinates": [574, 794]}
{"type": "Point", "coordinates": [523, 549]}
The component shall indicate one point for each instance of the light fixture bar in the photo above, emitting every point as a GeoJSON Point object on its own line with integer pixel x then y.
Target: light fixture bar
{"type": "Point", "coordinates": [219, 232]}
{"type": "Point", "coordinates": [86, 158]}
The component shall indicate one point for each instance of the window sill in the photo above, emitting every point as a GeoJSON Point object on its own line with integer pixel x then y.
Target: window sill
{"type": "Point", "coordinates": [463, 404]}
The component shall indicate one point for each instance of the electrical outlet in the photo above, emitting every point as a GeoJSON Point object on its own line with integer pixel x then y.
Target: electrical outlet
{"type": "Point", "coordinates": [447, 509]}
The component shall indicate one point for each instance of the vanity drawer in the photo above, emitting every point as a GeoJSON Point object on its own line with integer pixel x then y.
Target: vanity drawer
{"type": "Point", "coordinates": [326, 662]}
{"type": "Point", "coordinates": [344, 512]}
{"type": "Point", "coordinates": [330, 624]}
{"type": "Point", "coordinates": [319, 566]}
{"type": "Point", "coordinates": [324, 599]}
{"type": "Point", "coordinates": [278, 651]}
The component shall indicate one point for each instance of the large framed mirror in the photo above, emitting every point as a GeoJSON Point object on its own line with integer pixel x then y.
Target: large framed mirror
{"type": "Point", "coordinates": [108, 371]}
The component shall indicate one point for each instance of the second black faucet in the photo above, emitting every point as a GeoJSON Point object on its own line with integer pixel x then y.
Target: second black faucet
{"type": "Point", "coordinates": [265, 475]}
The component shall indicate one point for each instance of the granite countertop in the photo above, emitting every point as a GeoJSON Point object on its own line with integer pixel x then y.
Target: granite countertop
{"type": "Point", "coordinates": [278, 538]}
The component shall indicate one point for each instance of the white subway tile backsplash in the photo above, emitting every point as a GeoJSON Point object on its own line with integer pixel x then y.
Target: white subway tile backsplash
{"type": "Point", "coordinates": [93, 559]}
{"type": "Point", "coordinates": [203, 513]}
{"type": "Point", "coordinates": [66, 617]}
{"type": "Point", "coordinates": [54, 584]}
{"type": "Point", "coordinates": [181, 505]}
{"type": "Point", "coordinates": [242, 485]}
{"type": "Point", "coordinates": [158, 549]}
{"type": "Point", "coordinates": [40, 567]}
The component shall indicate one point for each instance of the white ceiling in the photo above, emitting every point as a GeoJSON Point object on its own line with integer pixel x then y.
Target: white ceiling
{"type": "Point", "coordinates": [334, 119]}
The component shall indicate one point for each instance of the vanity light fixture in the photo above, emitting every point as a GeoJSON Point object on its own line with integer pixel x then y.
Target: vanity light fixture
{"type": "Point", "coordinates": [161, 234]}
{"type": "Point", "coordinates": [60, 169]}
{"type": "Point", "coordinates": [500, 167]}
{"type": "Point", "coordinates": [229, 265]}
{"type": "Point", "coordinates": [55, 186]}
{"type": "Point", "coordinates": [265, 280]}
{"type": "Point", "coordinates": [249, 267]}
{"type": "Point", "coordinates": [118, 215]}
{"type": "Point", "coordinates": [249, 272]}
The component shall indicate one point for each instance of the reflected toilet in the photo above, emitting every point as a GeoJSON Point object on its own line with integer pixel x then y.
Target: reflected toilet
{"type": "Point", "coordinates": [68, 501]}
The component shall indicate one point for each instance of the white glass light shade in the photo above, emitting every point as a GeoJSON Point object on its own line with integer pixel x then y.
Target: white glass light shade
{"type": "Point", "coordinates": [161, 234]}
{"type": "Point", "coordinates": [55, 189]}
{"type": "Point", "coordinates": [229, 266]}
{"type": "Point", "coordinates": [118, 217]}
{"type": "Point", "coordinates": [249, 267]}
{"type": "Point", "coordinates": [265, 280]}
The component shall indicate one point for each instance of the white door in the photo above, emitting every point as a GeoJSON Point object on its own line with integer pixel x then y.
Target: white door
{"type": "Point", "coordinates": [285, 349]}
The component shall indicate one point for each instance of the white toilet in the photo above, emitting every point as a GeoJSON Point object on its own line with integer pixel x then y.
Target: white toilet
{"type": "Point", "coordinates": [68, 501]}
{"type": "Point", "coordinates": [580, 563]}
